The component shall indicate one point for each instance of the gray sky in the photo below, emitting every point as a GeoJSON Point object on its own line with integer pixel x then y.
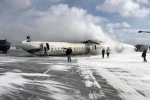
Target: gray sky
{"type": "Point", "coordinates": [74, 20]}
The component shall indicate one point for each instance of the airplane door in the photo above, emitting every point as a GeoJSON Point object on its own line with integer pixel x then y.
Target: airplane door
{"type": "Point", "coordinates": [95, 47]}
{"type": "Point", "coordinates": [47, 45]}
{"type": "Point", "coordinates": [42, 48]}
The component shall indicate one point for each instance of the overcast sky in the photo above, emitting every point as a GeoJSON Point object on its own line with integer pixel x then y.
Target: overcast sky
{"type": "Point", "coordinates": [75, 20]}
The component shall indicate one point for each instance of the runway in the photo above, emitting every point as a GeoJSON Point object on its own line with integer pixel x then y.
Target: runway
{"type": "Point", "coordinates": [24, 77]}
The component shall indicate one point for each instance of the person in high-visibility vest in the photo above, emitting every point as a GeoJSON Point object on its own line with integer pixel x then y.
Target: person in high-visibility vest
{"type": "Point", "coordinates": [45, 51]}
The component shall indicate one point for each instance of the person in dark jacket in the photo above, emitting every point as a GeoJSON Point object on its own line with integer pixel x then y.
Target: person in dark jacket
{"type": "Point", "coordinates": [144, 55]}
{"type": "Point", "coordinates": [108, 52]}
{"type": "Point", "coordinates": [103, 53]}
{"type": "Point", "coordinates": [68, 53]}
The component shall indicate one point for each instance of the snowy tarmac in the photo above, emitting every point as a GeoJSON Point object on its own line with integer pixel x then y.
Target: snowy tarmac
{"type": "Point", "coordinates": [121, 77]}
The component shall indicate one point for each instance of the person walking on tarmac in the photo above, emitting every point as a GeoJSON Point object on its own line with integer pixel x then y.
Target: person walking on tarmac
{"type": "Point", "coordinates": [144, 55]}
{"type": "Point", "coordinates": [88, 50]}
{"type": "Point", "coordinates": [68, 53]}
{"type": "Point", "coordinates": [45, 51]}
{"type": "Point", "coordinates": [108, 51]}
{"type": "Point", "coordinates": [103, 53]}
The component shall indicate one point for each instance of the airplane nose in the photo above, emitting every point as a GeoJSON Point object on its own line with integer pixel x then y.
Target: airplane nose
{"type": "Point", "coordinates": [20, 45]}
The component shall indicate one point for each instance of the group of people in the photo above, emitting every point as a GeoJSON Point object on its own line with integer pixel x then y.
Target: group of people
{"type": "Point", "coordinates": [107, 52]}
{"type": "Point", "coordinates": [88, 50]}
{"type": "Point", "coordinates": [87, 53]}
{"type": "Point", "coordinates": [69, 52]}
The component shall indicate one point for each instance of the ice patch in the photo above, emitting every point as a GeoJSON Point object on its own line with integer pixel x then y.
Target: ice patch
{"type": "Point", "coordinates": [8, 79]}
{"type": "Point", "coordinates": [10, 59]}
{"type": "Point", "coordinates": [87, 75]}
{"type": "Point", "coordinates": [46, 63]}
{"type": "Point", "coordinates": [85, 71]}
{"type": "Point", "coordinates": [59, 67]}
{"type": "Point", "coordinates": [16, 70]}
{"type": "Point", "coordinates": [56, 90]}
{"type": "Point", "coordinates": [33, 74]}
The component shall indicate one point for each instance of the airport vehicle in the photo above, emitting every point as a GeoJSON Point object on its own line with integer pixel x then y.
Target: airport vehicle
{"type": "Point", "coordinates": [4, 46]}
{"type": "Point", "coordinates": [59, 48]}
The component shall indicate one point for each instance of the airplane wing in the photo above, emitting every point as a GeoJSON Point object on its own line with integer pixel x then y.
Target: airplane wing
{"type": "Point", "coordinates": [139, 31]}
{"type": "Point", "coordinates": [91, 41]}
{"type": "Point", "coordinates": [143, 31]}
{"type": "Point", "coordinates": [64, 48]}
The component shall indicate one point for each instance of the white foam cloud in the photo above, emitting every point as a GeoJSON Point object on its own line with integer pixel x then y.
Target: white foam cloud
{"type": "Point", "coordinates": [58, 23]}
{"type": "Point", "coordinates": [125, 8]}
{"type": "Point", "coordinates": [68, 22]}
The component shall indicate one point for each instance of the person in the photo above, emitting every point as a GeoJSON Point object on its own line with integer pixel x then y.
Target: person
{"type": "Point", "coordinates": [45, 51]}
{"type": "Point", "coordinates": [108, 51]}
{"type": "Point", "coordinates": [103, 53]}
{"type": "Point", "coordinates": [68, 53]}
{"type": "Point", "coordinates": [144, 55]}
{"type": "Point", "coordinates": [88, 50]}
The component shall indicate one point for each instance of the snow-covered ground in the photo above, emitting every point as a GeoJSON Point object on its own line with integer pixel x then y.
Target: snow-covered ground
{"type": "Point", "coordinates": [126, 72]}
{"type": "Point", "coordinates": [123, 76]}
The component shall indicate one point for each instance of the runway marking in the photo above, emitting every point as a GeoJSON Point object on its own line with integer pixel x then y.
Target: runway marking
{"type": "Point", "coordinates": [47, 71]}
{"type": "Point", "coordinates": [90, 81]}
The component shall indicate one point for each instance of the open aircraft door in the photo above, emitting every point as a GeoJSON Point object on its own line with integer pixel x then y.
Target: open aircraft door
{"type": "Point", "coordinates": [42, 47]}
{"type": "Point", "coordinates": [47, 46]}
{"type": "Point", "coordinates": [94, 47]}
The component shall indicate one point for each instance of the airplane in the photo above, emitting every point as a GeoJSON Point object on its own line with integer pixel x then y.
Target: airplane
{"type": "Point", "coordinates": [59, 48]}
{"type": "Point", "coordinates": [144, 31]}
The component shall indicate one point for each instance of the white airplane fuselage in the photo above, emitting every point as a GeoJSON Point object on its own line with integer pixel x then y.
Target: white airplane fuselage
{"type": "Point", "coordinates": [58, 48]}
